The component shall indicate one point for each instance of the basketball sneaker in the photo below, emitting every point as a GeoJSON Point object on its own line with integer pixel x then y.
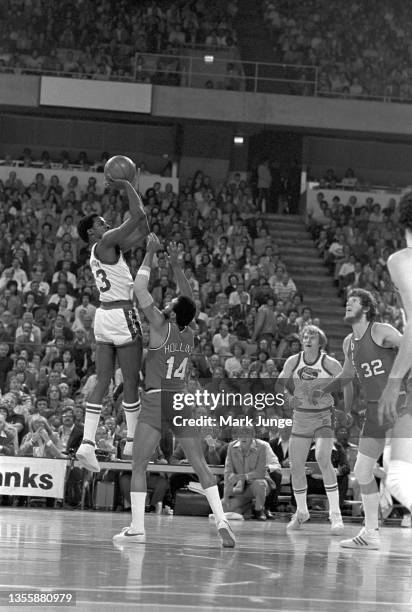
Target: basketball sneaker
{"type": "Point", "coordinates": [226, 534]}
{"type": "Point", "coordinates": [406, 520]}
{"type": "Point", "coordinates": [367, 539]}
{"type": "Point", "coordinates": [297, 520]}
{"type": "Point", "coordinates": [128, 449]}
{"type": "Point", "coordinates": [87, 457]}
{"type": "Point", "coordinates": [337, 527]}
{"type": "Point", "coordinates": [127, 535]}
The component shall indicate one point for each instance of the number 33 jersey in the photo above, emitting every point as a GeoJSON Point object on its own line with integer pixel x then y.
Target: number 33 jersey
{"type": "Point", "coordinates": [114, 281]}
{"type": "Point", "coordinates": [372, 364]}
{"type": "Point", "coordinates": [166, 366]}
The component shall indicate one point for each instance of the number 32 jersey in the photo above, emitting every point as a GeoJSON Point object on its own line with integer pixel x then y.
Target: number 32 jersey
{"type": "Point", "coordinates": [372, 364]}
{"type": "Point", "coordinates": [114, 281]}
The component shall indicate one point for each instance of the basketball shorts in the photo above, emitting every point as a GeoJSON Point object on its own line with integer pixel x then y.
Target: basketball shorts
{"type": "Point", "coordinates": [158, 410]}
{"type": "Point", "coordinates": [117, 326]}
{"type": "Point", "coordinates": [371, 426]}
{"type": "Point", "coordinates": [308, 423]}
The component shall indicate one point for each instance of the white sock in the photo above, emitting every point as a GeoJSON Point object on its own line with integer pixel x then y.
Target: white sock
{"type": "Point", "coordinates": [91, 421]}
{"type": "Point", "coordinates": [131, 412]}
{"type": "Point", "coordinates": [333, 497]}
{"type": "Point", "coordinates": [138, 500]}
{"type": "Point", "coordinates": [371, 509]}
{"type": "Point", "coordinates": [300, 496]}
{"type": "Point", "coordinates": [399, 482]}
{"type": "Point", "coordinates": [212, 494]}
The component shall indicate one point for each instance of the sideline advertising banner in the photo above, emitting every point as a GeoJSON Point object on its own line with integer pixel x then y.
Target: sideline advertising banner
{"type": "Point", "coordinates": [32, 477]}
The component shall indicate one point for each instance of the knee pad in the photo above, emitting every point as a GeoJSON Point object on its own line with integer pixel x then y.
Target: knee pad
{"type": "Point", "coordinates": [363, 469]}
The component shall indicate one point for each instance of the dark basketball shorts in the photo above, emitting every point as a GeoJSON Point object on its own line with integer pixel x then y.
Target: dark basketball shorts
{"type": "Point", "coordinates": [158, 410]}
{"type": "Point", "coordinates": [312, 423]}
{"type": "Point", "coordinates": [372, 428]}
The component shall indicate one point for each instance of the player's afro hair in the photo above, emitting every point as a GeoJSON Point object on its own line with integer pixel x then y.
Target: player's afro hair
{"type": "Point", "coordinates": [185, 310]}
{"type": "Point", "coordinates": [368, 301]}
{"type": "Point", "coordinates": [84, 225]}
{"type": "Point", "coordinates": [405, 212]}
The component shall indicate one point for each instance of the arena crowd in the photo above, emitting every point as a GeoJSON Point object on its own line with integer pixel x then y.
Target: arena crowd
{"type": "Point", "coordinates": [250, 314]}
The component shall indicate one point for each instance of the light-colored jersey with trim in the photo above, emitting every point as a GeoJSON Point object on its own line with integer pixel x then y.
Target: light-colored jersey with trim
{"type": "Point", "coordinates": [304, 375]}
{"type": "Point", "coordinates": [114, 281]}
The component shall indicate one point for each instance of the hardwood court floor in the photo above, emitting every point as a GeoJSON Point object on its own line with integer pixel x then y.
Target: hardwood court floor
{"type": "Point", "coordinates": [182, 566]}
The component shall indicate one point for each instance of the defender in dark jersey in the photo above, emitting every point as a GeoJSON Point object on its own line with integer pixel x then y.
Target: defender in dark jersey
{"type": "Point", "coordinates": [170, 347]}
{"type": "Point", "coordinates": [370, 351]}
{"type": "Point", "coordinates": [399, 478]}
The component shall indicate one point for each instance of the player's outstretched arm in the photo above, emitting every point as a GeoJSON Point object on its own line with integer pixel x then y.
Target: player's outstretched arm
{"type": "Point", "coordinates": [141, 283]}
{"type": "Point", "coordinates": [399, 266]}
{"type": "Point", "coordinates": [185, 287]}
{"type": "Point", "coordinates": [136, 207]}
{"type": "Point", "coordinates": [135, 228]}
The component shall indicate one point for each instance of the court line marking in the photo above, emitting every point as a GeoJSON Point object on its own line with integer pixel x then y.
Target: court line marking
{"type": "Point", "coordinates": [138, 590]}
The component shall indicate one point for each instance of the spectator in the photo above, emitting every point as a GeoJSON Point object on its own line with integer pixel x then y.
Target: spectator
{"type": "Point", "coordinates": [245, 474]}
{"type": "Point", "coordinates": [7, 436]}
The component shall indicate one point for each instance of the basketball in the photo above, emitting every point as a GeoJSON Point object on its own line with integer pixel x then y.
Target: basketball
{"type": "Point", "coordinates": [120, 167]}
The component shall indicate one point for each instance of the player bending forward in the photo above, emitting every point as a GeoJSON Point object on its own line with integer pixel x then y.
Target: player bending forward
{"type": "Point", "coordinates": [170, 347]}
{"type": "Point", "coordinates": [310, 421]}
{"type": "Point", "coordinates": [116, 324]}
{"type": "Point", "coordinates": [399, 480]}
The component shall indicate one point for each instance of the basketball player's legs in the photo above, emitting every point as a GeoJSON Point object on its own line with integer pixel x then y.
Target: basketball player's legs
{"type": "Point", "coordinates": [298, 451]}
{"type": "Point", "coordinates": [323, 452]}
{"type": "Point", "coordinates": [192, 447]}
{"type": "Point", "coordinates": [146, 439]}
{"type": "Point", "coordinates": [105, 357]}
{"type": "Point", "coordinates": [130, 361]}
{"type": "Point", "coordinates": [399, 479]}
{"type": "Point", "coordinates": [370, 449]}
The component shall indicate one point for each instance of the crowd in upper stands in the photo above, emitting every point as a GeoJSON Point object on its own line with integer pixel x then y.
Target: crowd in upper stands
{"type": "Point", "coordinates": [361, 48]}
{"type": "Point", "coordinates": [358, 51]}
{"type": "Point", "coordinates": [80, 37]}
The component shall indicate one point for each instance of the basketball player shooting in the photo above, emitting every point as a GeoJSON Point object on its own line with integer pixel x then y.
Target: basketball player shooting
{"type": "Point", "coordinates": [116, 325]}
{"type": "Point", "coordinates": [399, 479]}
{"type": "Point", "coordinates": [171, 343]}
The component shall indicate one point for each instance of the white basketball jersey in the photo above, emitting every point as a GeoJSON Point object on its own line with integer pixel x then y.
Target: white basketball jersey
{"type": "Point", "coordinates": [304, 375]}
{"type": "Point", "coordinates": [113, 281]}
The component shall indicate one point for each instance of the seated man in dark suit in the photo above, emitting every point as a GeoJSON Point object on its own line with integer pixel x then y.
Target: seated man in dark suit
{"type": "Point", "coordinates": [71, 435]}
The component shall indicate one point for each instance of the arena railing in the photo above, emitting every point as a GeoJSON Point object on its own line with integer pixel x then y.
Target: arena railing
{"type": "Point", "coordinates": [257, 77]}
{"type": "Point", "coordinates": [203, 70]}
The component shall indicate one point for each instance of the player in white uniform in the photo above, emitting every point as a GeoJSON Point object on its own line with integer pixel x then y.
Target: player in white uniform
{"type": "Point", "coordinates": [116, 325]}
{"type": "Point", "coordinates": [399, 479]}
{"type": "Point", "coordinates": [311, 420]}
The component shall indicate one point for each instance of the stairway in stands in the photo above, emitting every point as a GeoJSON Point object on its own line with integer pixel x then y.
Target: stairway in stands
{"type": "Point", "coordinates": [310, 275]}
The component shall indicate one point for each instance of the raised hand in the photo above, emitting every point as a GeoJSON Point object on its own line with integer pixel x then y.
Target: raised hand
{"type": "Point", "coordinates": [153, 243]}
{"type": "Point", "coordinates": [173, 252]}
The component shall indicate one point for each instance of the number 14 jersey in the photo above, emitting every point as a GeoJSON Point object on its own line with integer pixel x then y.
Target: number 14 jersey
{"type": "Point", "coordinates": [166, 366]}
{"type": "Point", "coordinates": [372, 364]}
{"type": "Point", "coordinates": [114, 281]}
